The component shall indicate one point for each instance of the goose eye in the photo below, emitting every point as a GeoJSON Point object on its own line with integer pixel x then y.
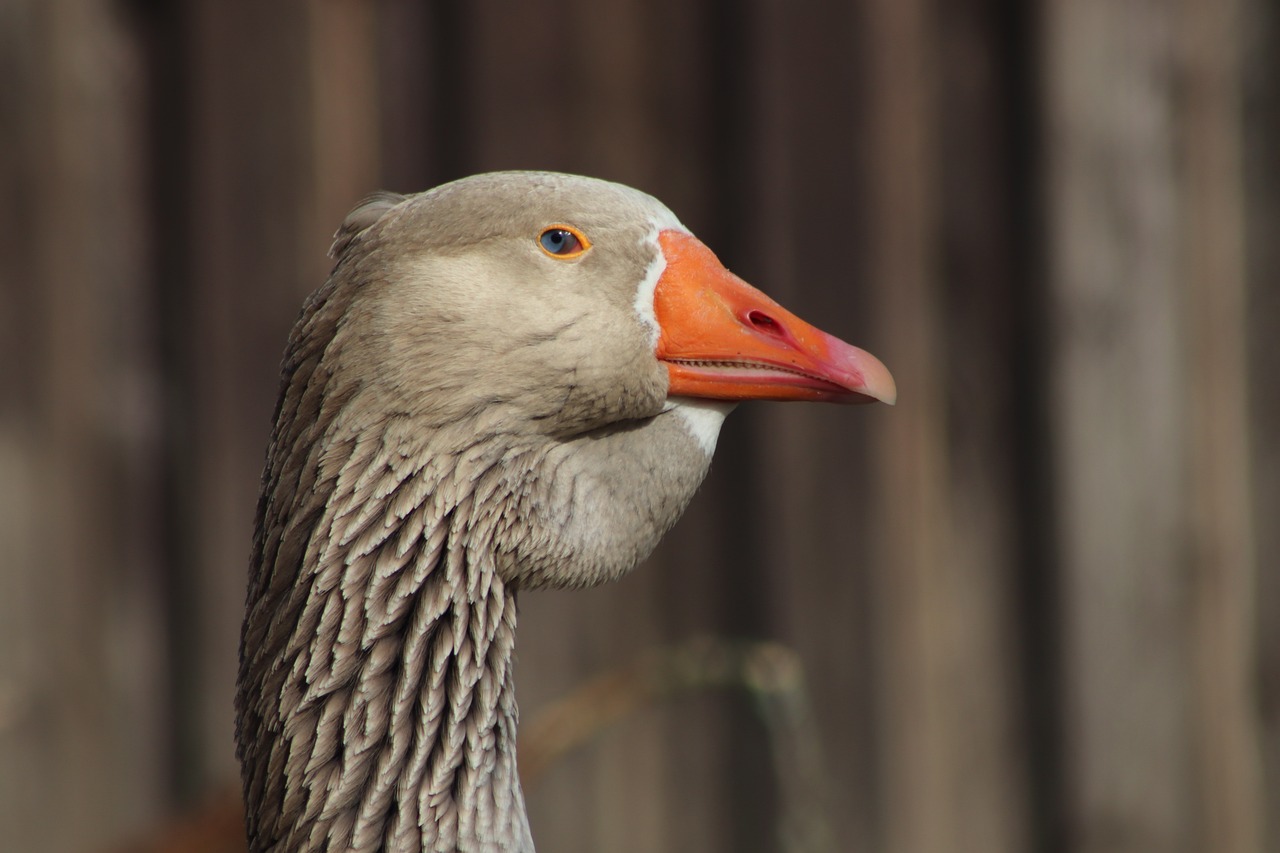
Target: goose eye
{"type": "Point", "coordinates": [560, 241]}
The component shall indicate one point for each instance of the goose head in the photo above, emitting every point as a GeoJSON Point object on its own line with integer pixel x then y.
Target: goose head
{"type": "Point", "coordinates": [555, 312]}
{"type": "Point", "coordinates": [511, 381]}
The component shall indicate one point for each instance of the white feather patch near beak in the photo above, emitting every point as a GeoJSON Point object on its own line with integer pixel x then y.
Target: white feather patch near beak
{"type": "Point", "coordinates": [702, 418]}
{"type": "Point", "coordinates": [648, 284]}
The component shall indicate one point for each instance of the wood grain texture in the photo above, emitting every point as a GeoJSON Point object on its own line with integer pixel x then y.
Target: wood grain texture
{"type": "Point", "coordinates": [1143, 148]}
{"type": "Point", "coordinates": [1035, 602]}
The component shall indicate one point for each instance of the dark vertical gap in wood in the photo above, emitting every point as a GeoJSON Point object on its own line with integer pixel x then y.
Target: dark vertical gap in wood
{"type": "Point", "coordinates": [1260, 30]}
{"type": "Point", "coordinates": [728, 162]}
{"type": "Point", "coordinates": [749, 777]}
{"type": "Point", "coordinates": [165, 28]}
{"type": "Point", "coordinates": [451, 97]}
{"type": "Point", "coordinates": [727, 165]}
{"type": "Point", "coordinates": [976, 237]}
{"type": "Point", "coordinates": [1038, 574]}
{"type": "Point", "coordinates": [404, 37]}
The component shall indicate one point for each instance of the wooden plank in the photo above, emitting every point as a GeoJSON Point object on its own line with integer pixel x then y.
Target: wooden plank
{"type": "Point", "coordinates": [1116, 200]}
{"type": "Point", "coordinates": [80, 607]}
{"type": "Point", "coordinates": [915, 759]}
{"type": "Point", "coordinates": [1227, 740]}
{"type": "Point", "coordinates": [948, 772]}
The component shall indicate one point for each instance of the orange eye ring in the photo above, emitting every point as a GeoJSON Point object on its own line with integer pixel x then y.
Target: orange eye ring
{"type": "Point", "coordinates": [563, 242]}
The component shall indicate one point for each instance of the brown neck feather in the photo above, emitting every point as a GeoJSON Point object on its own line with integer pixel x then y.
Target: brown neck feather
{"type": "Point", "coordinates": [376, 704]}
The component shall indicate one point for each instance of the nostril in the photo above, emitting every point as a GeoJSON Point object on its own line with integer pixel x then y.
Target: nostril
{"type": "Point", "coordinates": [765, 323]}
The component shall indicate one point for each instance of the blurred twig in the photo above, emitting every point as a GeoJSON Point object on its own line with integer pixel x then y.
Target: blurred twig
{"type": "Point", "coordinates": [771, 674]}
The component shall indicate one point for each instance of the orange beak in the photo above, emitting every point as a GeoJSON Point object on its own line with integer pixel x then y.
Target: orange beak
{"type": "Point", "coordinates": [723, 339]}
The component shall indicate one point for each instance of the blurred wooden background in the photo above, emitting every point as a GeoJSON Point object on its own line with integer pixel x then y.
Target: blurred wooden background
{"type": "Point", "coordinates": [1038, 603]}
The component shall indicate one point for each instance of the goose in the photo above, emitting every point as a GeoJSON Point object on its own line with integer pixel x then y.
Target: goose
{"type": "Point", "coordinates": [511, 381]}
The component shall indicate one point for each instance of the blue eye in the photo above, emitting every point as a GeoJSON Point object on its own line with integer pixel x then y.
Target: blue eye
{"type": "Point", "coordinates": [561, 242]}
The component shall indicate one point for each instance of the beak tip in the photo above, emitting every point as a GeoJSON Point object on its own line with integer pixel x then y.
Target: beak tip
{"type": "Point", "coordinates": [875, 382]}
{"type": "Point", "coordinates": [866, 395]}
{"type": "Point", "coordinates": [887, 393]}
